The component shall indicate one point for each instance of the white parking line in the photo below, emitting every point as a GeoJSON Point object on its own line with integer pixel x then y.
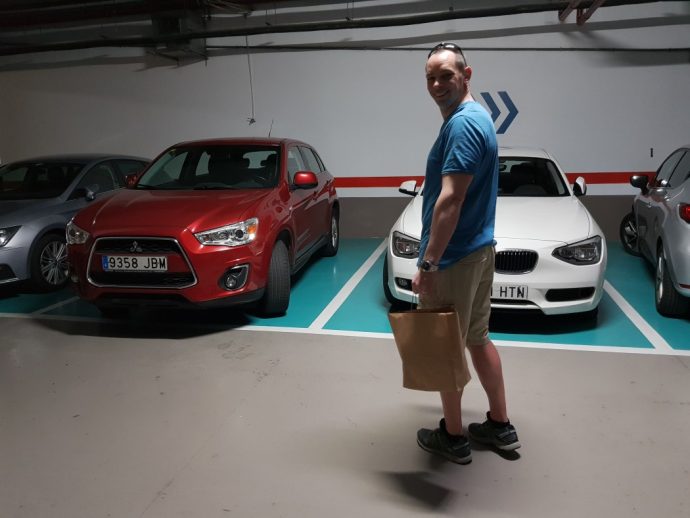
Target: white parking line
{"type": "Point", "coordinates": [384, 336]}
{"type": "Point", "coordinates": [346, 290]}
{"type": "Point", "coordinates": [56, 305]}
{"type": "Point", "coordinates": [500, 343]}
{"type": "Point", "coordinates": [640, 323]}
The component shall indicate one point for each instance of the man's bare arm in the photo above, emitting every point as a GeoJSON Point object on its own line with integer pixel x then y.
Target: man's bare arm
{"type": "Point", "coordinates": [446, 214]}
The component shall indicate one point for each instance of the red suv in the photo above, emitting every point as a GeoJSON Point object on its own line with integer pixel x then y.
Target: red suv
{"type": "Point", "coordinates": [211, 223]}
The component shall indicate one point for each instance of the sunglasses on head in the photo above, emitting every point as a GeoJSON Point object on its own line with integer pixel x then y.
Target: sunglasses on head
{"type": "Point", "coordinates": [446, 46]}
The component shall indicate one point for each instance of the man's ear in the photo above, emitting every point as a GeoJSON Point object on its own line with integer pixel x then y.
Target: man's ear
{"type": "Point", "coordinates": [468, 74]}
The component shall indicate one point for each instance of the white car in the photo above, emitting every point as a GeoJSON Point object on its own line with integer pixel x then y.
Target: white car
{"type": "Point", "coordinates": [550, 252]}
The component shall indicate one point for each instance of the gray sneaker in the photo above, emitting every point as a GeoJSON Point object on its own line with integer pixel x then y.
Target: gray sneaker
{"type": "Point", "coordinates": [439, 441]}
{"type": "Point", "coordinates": [503, 437]}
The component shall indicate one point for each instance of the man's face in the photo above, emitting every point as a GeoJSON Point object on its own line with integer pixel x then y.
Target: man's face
{"type": "Point", "coordinates": [446, 84]}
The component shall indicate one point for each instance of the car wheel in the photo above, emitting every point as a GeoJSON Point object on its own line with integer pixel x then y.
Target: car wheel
{"type": "Point", "coordinates": [628, 234]}
{"type": "Point", "coordinates": [331, 247]}
{"type": "Point", "coordinates": [669, 302]}
{"type": "Point", "coordinates": [48, 266]}
{"type": "Point", "coordinates": [277, 295]}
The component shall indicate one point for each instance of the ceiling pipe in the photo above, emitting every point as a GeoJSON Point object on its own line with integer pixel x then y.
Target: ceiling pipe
{"type": "Point", "coordinates": [26, 18]}
{"type": "Point", "coordinates": [583, 16]}
{"type": "Point", "coordinates": [147, 42]}
{"type": "Point", "coordinates": [562, 15]}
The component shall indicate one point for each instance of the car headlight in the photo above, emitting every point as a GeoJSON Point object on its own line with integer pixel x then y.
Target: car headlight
{"type": "Point", "coordinates": [582, 252]}
{"type": "Point", "coordinates": [6, 234]}
{"type": "Point", "coordinates": [405, 246]}
{"type": "Point", "coordinates": [230, 235]}
{"type": "Point", "coordinates": [75, 235]}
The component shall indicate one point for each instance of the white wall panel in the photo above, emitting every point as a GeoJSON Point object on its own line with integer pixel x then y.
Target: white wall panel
{"type": "Point", "coordinates": [368, 112]}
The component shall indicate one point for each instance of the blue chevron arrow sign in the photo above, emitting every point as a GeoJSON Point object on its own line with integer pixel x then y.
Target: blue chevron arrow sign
{"type": "Point", "coordinates": [496, 112]}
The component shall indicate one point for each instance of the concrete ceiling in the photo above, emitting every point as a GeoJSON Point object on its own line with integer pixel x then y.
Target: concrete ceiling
{"type": "Point", "coordinates": [182, 27]}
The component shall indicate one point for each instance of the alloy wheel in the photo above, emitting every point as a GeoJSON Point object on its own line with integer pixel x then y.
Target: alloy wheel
{"type": "Point", "coordinates": [53, 263]}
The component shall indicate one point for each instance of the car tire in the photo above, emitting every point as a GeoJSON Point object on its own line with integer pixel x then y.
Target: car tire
{"type": "Point", "coordinates": [668, 301]}
{"type": "Point", "coordinates": [276, 297]}
{"type": "Point", "coordinates": [48, 266]}
{"type": "Point", "coordinates": [331, 247]}
{"type": "Point", "coordinates": [628, 234]}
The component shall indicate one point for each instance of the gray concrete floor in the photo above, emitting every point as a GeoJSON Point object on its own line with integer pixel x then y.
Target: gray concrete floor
{"type": "Point", "coordinates": [112, 420]}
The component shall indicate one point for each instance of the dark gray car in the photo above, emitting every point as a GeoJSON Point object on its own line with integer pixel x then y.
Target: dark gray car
{"type": "Point", "coordinates": [660, 225]}
{"type": "Point", "coordinates": [37, 199]}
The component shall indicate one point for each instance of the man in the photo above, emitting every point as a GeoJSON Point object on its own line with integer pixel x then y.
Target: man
{"type": "Point", "coordinates": [456, 255]}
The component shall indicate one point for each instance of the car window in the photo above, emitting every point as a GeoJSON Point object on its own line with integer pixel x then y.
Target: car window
{"type": "Point", "coordinates": [323, 166]}
{"type": "Point", "coordinates": [32, 180]}
{"type": "Point", "coordinates": [100, 178]}
{"type": "Point", "coordinates": [529, 176]}
{"type": "Point", "coordinates": [310, 160]}
{"type": "Point", "coordinates": [664, 172]}
{"type": "Point", "coordinates": [680, 172]}
{"type": "Point", "coordinates": [126, 167]}
{"type": "Point", "coordinates": [214, 167]}
{"type": "Point", "coordinates": [294, 163]}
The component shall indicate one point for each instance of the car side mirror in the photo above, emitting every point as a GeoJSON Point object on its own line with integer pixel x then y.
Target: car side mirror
{"type": "Point", "coordinates": [305, 180]}
{"type": "Point", "coordinates": [641, 182]}
{"type": "Point", "coordinates": [580, 186]}
{"type": "Point", "coordinates": [409, 187]}
{"type": "Point", "coordinates": [131, 180]}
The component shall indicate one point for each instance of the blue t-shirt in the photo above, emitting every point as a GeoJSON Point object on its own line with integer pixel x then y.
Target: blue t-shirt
{"type": "Point", "coordinates": [466, 144]}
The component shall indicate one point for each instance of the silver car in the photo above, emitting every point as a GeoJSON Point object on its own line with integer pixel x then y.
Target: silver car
{"type": "Point", "coordinates": [660, 226]}
{"type": "Point", "coordinates": [37, 199]}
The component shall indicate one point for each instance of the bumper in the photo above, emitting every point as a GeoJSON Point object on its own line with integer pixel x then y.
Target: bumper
{"type": "Point", "coordinates": [13, 264]}
{"type": "Point", "coordinates": [204, 267]}
{"type": "Point", "coordinates": [554, 287]}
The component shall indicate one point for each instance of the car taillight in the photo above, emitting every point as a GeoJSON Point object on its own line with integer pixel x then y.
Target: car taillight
{"type": "Point", "coordinates": [684, 211]}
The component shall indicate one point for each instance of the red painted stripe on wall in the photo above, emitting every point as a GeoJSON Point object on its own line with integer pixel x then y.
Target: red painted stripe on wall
{"type": "Point", "coordinates": [395, 181]}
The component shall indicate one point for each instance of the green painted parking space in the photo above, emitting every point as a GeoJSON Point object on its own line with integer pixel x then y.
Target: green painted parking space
{"type": "Point", "coordinates": [634, 279]}
{"type": "Point", "coordinates": [19, 299]}
{"type": "Point", "coordinates": [365, 310]}
{"type": "Point", "coordinates": [313, 288]}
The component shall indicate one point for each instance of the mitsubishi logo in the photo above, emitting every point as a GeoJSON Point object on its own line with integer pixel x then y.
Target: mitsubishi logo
{"type": "Point", "coordinates": [136, 248]}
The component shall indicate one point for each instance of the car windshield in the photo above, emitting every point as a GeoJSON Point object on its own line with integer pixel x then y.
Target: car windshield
{"type": "Point", "coordinates": [36, 180]}
{"type": "Point", "coordinates": [213, 167]}
{"type": "Point", "coordinates": [530, 176]}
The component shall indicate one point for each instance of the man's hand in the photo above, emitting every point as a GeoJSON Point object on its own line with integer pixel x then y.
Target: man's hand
{"type": "Point", "coordinates": [424, 284]}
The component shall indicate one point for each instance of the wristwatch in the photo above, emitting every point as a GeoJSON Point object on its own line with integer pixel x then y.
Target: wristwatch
{"type": "Point", "coordinates": [428, 266]}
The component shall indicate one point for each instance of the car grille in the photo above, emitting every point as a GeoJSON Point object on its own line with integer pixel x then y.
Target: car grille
{"type": "Point", "coordinates": [135, 246]}
{"type": "Point", "coordinates": [516, 261]}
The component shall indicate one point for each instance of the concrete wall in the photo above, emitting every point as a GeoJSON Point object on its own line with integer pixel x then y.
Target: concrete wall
{"type": "Point", "coordinates": [373, 217]}
{"type": "Point", "coordinates": [607, 97]}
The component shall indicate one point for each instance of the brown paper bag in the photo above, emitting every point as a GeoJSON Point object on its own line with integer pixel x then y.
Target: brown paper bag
{"type": "Point", "coordinates": [431, 349]}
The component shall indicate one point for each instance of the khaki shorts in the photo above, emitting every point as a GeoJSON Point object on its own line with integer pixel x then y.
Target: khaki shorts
{"type": "Point", "coordinates": [467, 285]}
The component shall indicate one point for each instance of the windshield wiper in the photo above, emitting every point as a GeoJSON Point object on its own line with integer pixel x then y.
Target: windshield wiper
{"type": "Point", "coordinates": [213, 188]}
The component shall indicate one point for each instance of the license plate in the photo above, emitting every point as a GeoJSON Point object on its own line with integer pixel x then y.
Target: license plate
{"type": "Point", "coordinates": [134, 263]}
{"type": "Point", "coordinates": [509, 292]}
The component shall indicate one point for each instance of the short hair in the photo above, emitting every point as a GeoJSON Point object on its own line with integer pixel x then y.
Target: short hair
{"type": "Point", "coordinates": [460, 60]}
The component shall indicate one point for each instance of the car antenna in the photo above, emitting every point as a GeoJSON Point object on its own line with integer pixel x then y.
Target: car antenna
{"type": "Point", "coordinates": [270, 129]}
